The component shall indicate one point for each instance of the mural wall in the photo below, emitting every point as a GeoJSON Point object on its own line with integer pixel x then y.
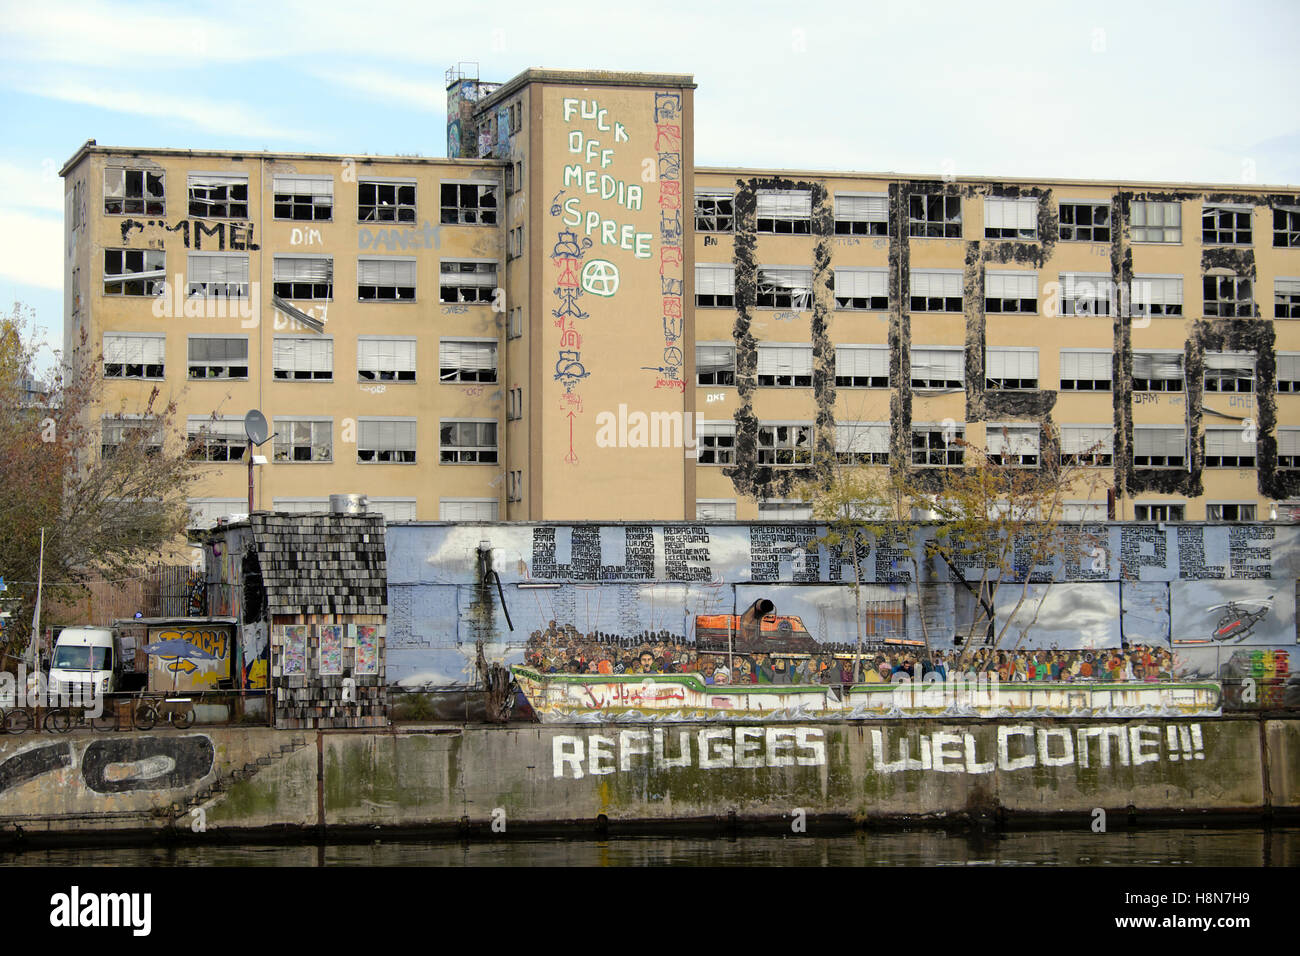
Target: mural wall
{"type": "Point", "coordinates": [1187, 601]}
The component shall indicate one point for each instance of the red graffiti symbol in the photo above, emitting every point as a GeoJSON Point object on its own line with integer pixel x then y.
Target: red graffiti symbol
{"type": "Point", "coordinates": [670, 194]}
{"type": "Point", "coordinates": [568, 277]}
{"type": "Point", "coordinates": [668, 138]}
{"type": "Point", "coordinates": [569, 338]}
{"type": "Point", "coordinates": [571, 458]}
{"type": "Point", "coordinates": [669, 256]}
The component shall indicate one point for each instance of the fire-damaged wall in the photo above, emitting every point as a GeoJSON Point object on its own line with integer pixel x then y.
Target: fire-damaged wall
{"type": "Point", "coordinates": [1220, 598]}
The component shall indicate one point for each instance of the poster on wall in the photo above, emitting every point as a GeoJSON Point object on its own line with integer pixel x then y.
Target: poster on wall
{"type": "Point", "coordinates": [331, 649]}
{"type": "Point", "coordinates": [295, 648]}
{"type": "Point", "coordinates": [1232, 612]}
{"type": "Point", "coordinates": [367, 649]}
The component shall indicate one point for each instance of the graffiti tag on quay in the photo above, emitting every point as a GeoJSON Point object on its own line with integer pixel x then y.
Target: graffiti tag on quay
{"type": "Point", "coordinates": [1017, 747]}
{"type": "Point", "coordinates": [118, 766]}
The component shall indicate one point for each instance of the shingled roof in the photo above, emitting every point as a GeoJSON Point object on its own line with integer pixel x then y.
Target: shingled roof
{"type": "Point", "coordinates": [322, 563]}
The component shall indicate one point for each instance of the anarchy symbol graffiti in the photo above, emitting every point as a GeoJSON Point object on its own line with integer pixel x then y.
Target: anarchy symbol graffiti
{"type": "Point", "coordinates": [600, 277]}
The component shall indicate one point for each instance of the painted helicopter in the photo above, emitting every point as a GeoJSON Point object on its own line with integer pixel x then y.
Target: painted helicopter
{"type": "Point", "coordinates": [1236, 623]}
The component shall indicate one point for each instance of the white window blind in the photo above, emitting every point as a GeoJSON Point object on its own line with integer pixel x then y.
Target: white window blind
{"type": "Point", "coordinates": [134, 349]}
{"type": "Point", "coordinates": [1227, 442]}
{"type": "Point", "coordinates": [1288, 366]}
{"type": "Point", "coordinates": [866, 284]}
{"type": "Point", "coordinates": [1010, 285]}
{"type": "Point", "coordinates": [1241, 362]}
{"type": "Point", "coordinates": [714, 358]}
{"type": "Point", "coordinates": [386, 434]}
{"type": "Point", "coordinates": [1288, 441]}
{"type": "Point", "coordinates": [1011, 363]}
{"type": "Point", "coordinates": [1077, 439]}
{"type": "Point", "coordinates": [302, 354]}
{"type": "Point", "coordinates": [388, 272]}
{"type": "Point", "coordinates": [1011, 214]}
{"type": "Point", "coordinates": [294, 269]}
{"type": "Point", "coordinates": [715, 279]}
{"type": "Point", "coordinates": [936, 284]}
{"type": "Point", "coordinates": [715, 510]}
{"type": "Point", "coordinates": [862, 361]}
{"type": "Point", "coordinates": [862, 437]}
{"type": "Point", "coordinates": [208, 180]}
{"type": "Point", "coordinates": [1286, 286]}
{"type": "Point", "coordinates": [1157, 290]}
{"type": "Point", "coordinates": [1086, 366]}
{"type": "Point", "coordinates": [1163, 366]}
{"type": "Point", "coordinates": [1159, 441]}
{"type": "Point", "coordinates": [469, 356]}
{"type": "Point", "coordinates": [204, 512]}
{"type": "Point", "coordinates": [385, 355]}
{"type": "Point", "coordinates": [205, 267]}
{"type": "Point", "coordinates": [300, 506]}
{"type": "Point", "coordinates": [393, 509]}
{"type": "Point", "coordinates": [861, 208]}
{"type": "Point", "coordinates": [784, 204]}
{"type": "Point", "coordinates": [1007, 438]}
{"type": "Point", "coordinates": [937, 364]}
{"type": "Point", "coordinates": [795, 281]}
{"type": "Point", "coordinates": [785, 360]}
{"type": "Point", "coordinates": [464, 509]}
{"type": "Point", "coordinates": [303, 186]}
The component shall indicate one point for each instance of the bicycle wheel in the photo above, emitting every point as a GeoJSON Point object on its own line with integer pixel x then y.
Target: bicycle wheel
{"type": "Point", "coordinates": [144, 717]}
{"type": "Point", "coordinates": [105, 721]}
{"type": "Point", "coordinates": [182, 720]}
{"type": "Point", "coordinates": [59, 720]}
{"type": "Point", "coordinates": [18, 721]}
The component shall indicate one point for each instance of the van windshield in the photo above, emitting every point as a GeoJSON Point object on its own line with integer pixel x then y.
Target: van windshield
{"type": "Point", "coordinates": [79, 659]}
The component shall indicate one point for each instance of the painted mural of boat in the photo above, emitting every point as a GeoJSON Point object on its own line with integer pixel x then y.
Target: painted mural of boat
{"type": "Point", "coordinates": [563, 698]}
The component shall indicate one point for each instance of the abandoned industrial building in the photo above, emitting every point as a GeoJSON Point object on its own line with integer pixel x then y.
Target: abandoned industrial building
{"type": "Point", "coordinates": [567, 319]}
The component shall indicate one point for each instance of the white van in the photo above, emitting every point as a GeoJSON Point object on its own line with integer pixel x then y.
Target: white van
{"type": "Point", "coordinates": [87, 655]}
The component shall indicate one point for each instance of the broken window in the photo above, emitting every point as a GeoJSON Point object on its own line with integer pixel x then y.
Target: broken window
{"type": "Point", "coordinates": [1229, 371]}
{"type": "Point", "coordinates": [302, 358]}
{"type": "Point", "coordinates": [385, 358]}
{"type": "Point", "coordinates": [471, 442]}
{"type": "Point", "coordinates": [515, 485]}
{"type": "Point", "coordinates": [469, 204]}
{"type": "Point", "coordinates": [862, 289]}
{"type": "Point", "coordinates": [222, 439]}
{"type": "Point", "coordinates": [862, 443]}
{"type": "Point", "coordinates": [1288, 447]}
{"type": "Point", "coordinates": [938, 445]}
{"type": "Point", "coordinates": [1015, 368]}
{"type": "Point", "coordinates": [1085, 294]}
{"type": "Point", "coordinates": [1155, 371]}
{"type": "Point", "coordinates": [715, 364]}
{"type": "Point", "coordinates": [772, 509]}
{"type": "Point", "coordinates": [303, 277]}
{"type": "Point", "coordinates": [132, 192]}
{"type": "Point", "coordinates": [388, 440]}
{"type": "Point", "coordinates": [938, 368]}
{"type": "Point", "coordinates": [467, 360]}
{"type": "Point", "coordinates": [1011, 292]}
{"type": "Point", "coordinates": [1088, 445]}
{"type": "Point", "coordinates": [715, 285]}
{"type": "Point", "coordinates": [218, 196]}
{"type": "Point", "coordinates": [785, 366]}
{"type": "Point", "coordinates": [715, 509]}
{"type": "Point", "coordinates": [1288, 372]}
{"type": "Point", "coordinates": [1229, 511]}
{"type": "Point", "coordinates": [1229, 447]}
{"type": "Point", "coordinates": [1286, 298]}
{"type": "Point", "coordinates": [1228, 296]}
{"type": "Point", "coordinates": [303, 439]}
{"type": "Point", "coordinates": [784, 288]}
{"type": "Point", "coordinates": [1154, 295]}
{"type": "Point", "coordinates": [782, 445]}
{"type": "Point", "coordinates": [1286, 227]}
{"type": "Point", "coordinates": [1085, 370]}
{"type": "Point", "coordinates": [134, 271]}
{"type": "Point", "coordinates": [386, 201]}
{"type": "Point", "coordinates": [934, 217]}
{"type": "Point", "coordinates": [785, 211]}
{"type": "Point", "coordinates": [387, 279]}
{"type": "Point", "coordinates": [714, 210]}
{"type": "Point", "coordinates": [862, 366]}
{"type": "Point", "coordinates": [1156, 222]}
{"type": "Point", "coordinates": [303, 198]}
{"type": "Point", "coordinates": [1012, 444]}
{"type": "Point", "coordinates": [1162, 511]}
{"type": "Point", "coordinates": [716, 443]}
{"type": "Point", "coordinates": [865, 214]}
{"type": "Point", "coordinates": [139, 433]}
{"type": "Point", "coordinates": [467, 280]}
{"type": "Point", "coordinates": [1159, 446]}
{"type": "Point", "coordinates": [218, 356]}
{"type": "Point", "coordinates": [936, 290]}
{"type": "Point", "coordinates": [1226, 225]}
{"type": "Point", "coordinates": [1085, 222]}
{"type": "Point", "coordinates": [134, 355]}
{"type": "Point", "coordinates": [218, 275]}
{"type": "Point", "coordinates": [1011, 218]}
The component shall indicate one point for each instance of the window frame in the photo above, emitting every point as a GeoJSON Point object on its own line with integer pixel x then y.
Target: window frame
{"type": "Point", "coordinates": [460, 450]}
{"type": "Point", "coordinates": [710, 221]}
{"type": "Point", "coordinates": [136, 205]}
{"type": "Point", "coordinates": [1231, 439]}
{"type": "Point", "coordinates": [799, 223]}
{"type": "Point", "coordinates": [1165, 463]}
{"type": "Point", "coordinates": [1003, 304]}
{"type": "Point", "coordinates": [722, 370]}
{"type": "Point", "coordinates": [854, 223]}
{"type": "Point", "coordinates": [945, 301]}
{"type": "Point", "coordinates": [294, 198]}
{"type": "Point", "coordinates": [395, 289]}
{"type": "Point", "coordinates": [192, 365]}
{"type": "Point", "coordinates": [958, 384]}
{"type": "Point", "coordinates": [230, 181]}
{"type": "Point", "coordinates": [953, 452]}
{"type": "Point", "coordinates": [293, 443]}
{"type": "Point", "coordinates": [144, 337]}
{"type": "Point", "coordinates": [398, 212]}
{"type": "Point", "coordinates": [1074, 227]}
{"type": "Point", "coordinates": [1149, 384]}
{"type": "Point", "coordinates": [151, 261]}
{"type": "Point", "coordinates": [471, 293]}
{"type": "Point", "coordinates": [769, 294]}
{"type": "Point", "coordinates": [234, 440]}
{"type": "Point", "coordinates": [789, 448]}
{"type": "Point", "coordinates": [843, 351]}
{"type": "Point", "coordinates": [469, 215]}
{"type": "Point", "coordinates": [1213, 228]}
{"type": "Point", "coordinates": [1020, 384]}
{"type": "Point", "coordinates": [459, 377]}
{"type": "Point", "coordinates": [1236, 307]}
{"type": "Point", "coordinates": [293, 375]}
{"type": "Point", "coordinates": [715, 443]}
{"type": "Point", "coordinates": [1017, 434]}
{"type": "Point", "coordinates": [376, 422]}
{"type": "Point", "coordinates": [715, 271]}
{"type": "Point", "coordinates": [1090, 456]}
{"type": "Point", "coordinates": [317, 291]}
{"type": "Point", "coordinates": [932, 218]}
{"type": "Point", "coordinates": [854, 276]}
{"type": "Point", "coordinates": [1286, 297]}
{"type": "Point", "coordinates": [1016, 205]}
{"type": "Point", "coordinates": [1109, 380]}
{"type": "Point", "coordinates": [1150, 205]}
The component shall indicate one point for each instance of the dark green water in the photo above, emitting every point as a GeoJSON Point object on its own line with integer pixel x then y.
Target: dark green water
{"type": "Point", "coordinates": [1142, 847]}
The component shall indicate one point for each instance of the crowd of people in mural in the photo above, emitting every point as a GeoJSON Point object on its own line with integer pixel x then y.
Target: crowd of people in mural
{"type": "Point", "coordinates": [562, 649]}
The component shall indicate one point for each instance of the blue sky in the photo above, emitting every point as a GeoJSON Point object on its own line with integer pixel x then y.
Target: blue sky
{"type": "Point", "coordinates": [1193, 91]}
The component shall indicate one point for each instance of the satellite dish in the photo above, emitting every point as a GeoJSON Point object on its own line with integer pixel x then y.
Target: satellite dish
{"type": "Point", "coordinates": [255, 427]}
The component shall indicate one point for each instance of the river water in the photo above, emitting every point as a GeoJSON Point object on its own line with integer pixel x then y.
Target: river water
{"type": "Point", "coordinates": [1188, 846]}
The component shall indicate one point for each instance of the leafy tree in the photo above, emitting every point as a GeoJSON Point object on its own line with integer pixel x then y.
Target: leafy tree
{"type": "Point", "coordinates": [107, 483]}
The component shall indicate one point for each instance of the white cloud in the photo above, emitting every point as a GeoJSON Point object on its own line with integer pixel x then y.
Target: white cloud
{"type": "Point", "coordinates": [29, 187]}
{"type": "Point", "coordinates": [31, 249]}
{"type": "Point", "coordinates": [423, 94]}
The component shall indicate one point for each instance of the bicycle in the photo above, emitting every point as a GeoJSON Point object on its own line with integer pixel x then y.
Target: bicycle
{"type": "Point", "coordinates": [177, 711]}
{"type": "Point", "coordinates": [15, 721]}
